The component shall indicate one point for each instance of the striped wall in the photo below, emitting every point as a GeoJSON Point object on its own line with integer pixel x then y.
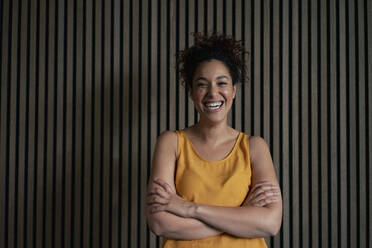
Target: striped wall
{"type": "Point", "coordinates": [86, 86]}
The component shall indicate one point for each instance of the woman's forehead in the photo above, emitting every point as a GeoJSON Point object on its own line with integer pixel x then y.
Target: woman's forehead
{"type": "Point", "coordinates": [213, 69]}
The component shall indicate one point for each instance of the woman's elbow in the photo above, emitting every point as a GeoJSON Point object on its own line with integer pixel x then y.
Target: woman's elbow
{"type": "Point", "coordinates": [158, 224]}
{"type": "Point", "coordinates": [155, 228]}
{"type": "Point", "coordinates": [274, 230]}
{"type": "Point", "coordinates": [154, 225]}
{"type": "Point", "coordinates": [274, 224]}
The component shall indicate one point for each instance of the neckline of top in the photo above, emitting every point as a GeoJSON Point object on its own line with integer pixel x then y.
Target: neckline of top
{"type": "Point", "coordinates": [237, 141]}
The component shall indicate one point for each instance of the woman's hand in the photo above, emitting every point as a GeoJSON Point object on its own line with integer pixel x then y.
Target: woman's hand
{"type": "Point", "coordinates": [163, 198]}
{"type": "Point", "coordinates": [262, 194]}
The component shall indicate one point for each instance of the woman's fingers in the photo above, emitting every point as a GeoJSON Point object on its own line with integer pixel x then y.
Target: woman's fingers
{"type": "Point", "coordinates": [159, 191]}
{"type": "Point", "coordinates": [156, 199]}
{"type": "Point", "coordinates": [263, 188]}
{"type": "Point", "coordinates": [266, 192]}
{"type": "Point", "coordinates": [163, 184]}
{"type": "Point", "coordinates": [267, 201]}
{"type": "Point", "coordinates": [261, 183]}
{"type": "Point", "coordinates": [266, 195]}
{"type": "Point", "coordinates": [156, 208]}
{"type": "Point", "coordinates": [263, 193]}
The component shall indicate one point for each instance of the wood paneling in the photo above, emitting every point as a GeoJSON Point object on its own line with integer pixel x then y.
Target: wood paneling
{"type": "Point", "coordinates": [87, 86]}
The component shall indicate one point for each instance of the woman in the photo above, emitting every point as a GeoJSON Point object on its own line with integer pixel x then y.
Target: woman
{"type": "Point", "coordinates": [211, 185]}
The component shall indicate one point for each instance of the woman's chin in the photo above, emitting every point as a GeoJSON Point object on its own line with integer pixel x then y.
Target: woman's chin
{"type": "Point", "coordinates": [213, 119]}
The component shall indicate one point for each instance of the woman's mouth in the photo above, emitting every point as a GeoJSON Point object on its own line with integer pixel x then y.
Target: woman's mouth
{"type": "Point", "coordinates": [213, 106]}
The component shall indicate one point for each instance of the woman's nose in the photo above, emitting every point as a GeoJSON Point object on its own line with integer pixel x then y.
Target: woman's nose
{"type": "Point", "coordinates": [212, 90]}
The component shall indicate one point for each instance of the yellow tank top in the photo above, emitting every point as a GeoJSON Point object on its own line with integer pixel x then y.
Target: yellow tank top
{"type": "Point", "coordinates": [221, 183]}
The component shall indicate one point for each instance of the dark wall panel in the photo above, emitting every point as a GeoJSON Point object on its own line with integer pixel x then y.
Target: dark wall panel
{"type": "Point", "coordinates": [87, 86]}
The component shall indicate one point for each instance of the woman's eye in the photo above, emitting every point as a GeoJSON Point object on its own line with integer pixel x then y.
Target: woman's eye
{"type": "Point", "coordinates": [222, 83]}
{"type": "Point", "coordinates": [202, 85]}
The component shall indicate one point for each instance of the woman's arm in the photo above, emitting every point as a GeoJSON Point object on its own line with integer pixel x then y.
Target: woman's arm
{"type": "Point", "coordinates": [165, 223]}
{"type": "Point", "coordinates": [245, 221]}
{"type": "Point", "coordinates": [171, 226]}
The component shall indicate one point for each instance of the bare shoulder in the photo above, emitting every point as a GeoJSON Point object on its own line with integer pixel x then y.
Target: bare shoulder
{"type": "Point", "coordinates": [261, 161]}
{"type": "Point", "coordinates": [168, 136]}
{"type": "Point", "coordinates": [167, 140]}
{"type": "Point", "coordinates": [164, 158]}
{"type": "Point", "coordinates": [257, 147]}
{"type": "Point", "coordinates": [257, 141]}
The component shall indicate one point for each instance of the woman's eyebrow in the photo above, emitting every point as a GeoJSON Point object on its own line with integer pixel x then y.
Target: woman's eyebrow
{"type": "Point", "coordinates": [220, 77]}
{"type": "Point", "coordinates": [201, 78]}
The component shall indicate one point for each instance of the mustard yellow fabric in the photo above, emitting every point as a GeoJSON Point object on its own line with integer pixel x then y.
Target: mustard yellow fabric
{"type": "Point", "coordinates": [220, 183]}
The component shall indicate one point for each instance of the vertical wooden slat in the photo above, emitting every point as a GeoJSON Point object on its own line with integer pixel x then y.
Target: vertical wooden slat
{"type": "Point", "coordinates": [368, 77]}
{"type": "Point", "coordinates": [281, 173]}
{"type": "Point", "coordinates": [116, 134]}
{"type": "Point", "coordinates": [362, 222]}
{"type": "Point", "coordinates": [294, 119]}
{"type": "Point", "coordinates": [352, 127]}
{"type": "Point", "coordinates": [33, 47]}
{"type": "Point", "coordinates": [304, 131]}
{"type": "Point", "coordinates": [237, 17]}
{"type": "Point", "coordinates": [125, 94]}
{"type": "Point", "coordinates": [44, 43]}
{"type": "Point", "coordinates": [300, 135]}
{"type": "Point", "coordinates": [138, 104]}
{"type": "Point", "coordinates": [287, 205]}
{"type": "Point", "coordinates": [153, 240]}
{"type": "Point", "coordinates": [255, 73]}
{"type": "Point", "coordinates": [121, 207]}
{"type": "Point", "coordinates": [248, 46]}
{"type": "Point", "coordinates": [13, 148]}
{"type": "Point", "coordinates": [323, 116]}
{"type": "Point", "coordinates": [58, 124]}
{"type": "Point", "coordinates": [313, 117]}
{"type": "Point", "coordinates": [86, 126]}
{"type": "Point", "coordinates": [96, 221]}
{"type": "Point", "coordinates": [145, 124]}
{"type": "Point", "coordinates": [343, 136]}
{"type": "Point", "coordinates": [91, 34]}
{"type": "Point", "coordinates": [3, 105]}
{"type": "Point", "coordinates": [333, 159]}
{"type": "Point", "coordinates": [70, 143]}
{"type": "Point", "coordinates": [28, 181]}
{"type": "Point", "coordinates": [77, 113]}
{"type": "Point", "coordinates": [338, 134]}
{"type": "Point", "coordinates": [7, 197]}
{"type": "Point", "coordinates": [226, 28]}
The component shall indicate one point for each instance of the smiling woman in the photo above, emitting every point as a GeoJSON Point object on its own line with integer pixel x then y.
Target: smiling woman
{"type": "Point", "coordinates": [211, 185]}
{"type": "Point", "coordinates": [212, 91]}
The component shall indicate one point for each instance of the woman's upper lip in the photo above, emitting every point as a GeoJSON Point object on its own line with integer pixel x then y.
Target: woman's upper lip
{"type": "Point", "coordinates": [212, 101]}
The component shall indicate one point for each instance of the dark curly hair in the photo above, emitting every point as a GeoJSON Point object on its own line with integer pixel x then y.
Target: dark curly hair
{"type": "Point", "coordinates": [216, 46]}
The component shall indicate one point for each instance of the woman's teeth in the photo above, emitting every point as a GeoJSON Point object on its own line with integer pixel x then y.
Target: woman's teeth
{"type": "Point", "coordinates": [214, 105]}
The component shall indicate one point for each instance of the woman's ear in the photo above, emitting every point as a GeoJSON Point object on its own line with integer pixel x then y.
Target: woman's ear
{"type": "Point", "coordinates": [234, 91]}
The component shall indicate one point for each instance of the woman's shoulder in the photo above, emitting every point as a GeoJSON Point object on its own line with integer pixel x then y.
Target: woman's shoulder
{"type": "Point", "coordinates": [166, 143]}
{"type": "Point", "coordinates": [256, 140]}
{"type": "Point", "coordinates": [168, 137]}
{"type": "Point", "coordinates": [257, 146]}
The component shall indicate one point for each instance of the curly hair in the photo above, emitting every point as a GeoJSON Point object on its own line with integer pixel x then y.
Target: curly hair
{"type": "Point", "coordinates": [216, 46]}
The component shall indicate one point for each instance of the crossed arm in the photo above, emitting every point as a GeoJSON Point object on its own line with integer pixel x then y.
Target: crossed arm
{"type": "Point", "coordinates": [171, 216]}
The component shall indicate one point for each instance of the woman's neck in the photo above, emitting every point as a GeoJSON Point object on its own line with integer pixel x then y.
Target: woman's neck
{"type": "Point", "coordinates": [215, 132]}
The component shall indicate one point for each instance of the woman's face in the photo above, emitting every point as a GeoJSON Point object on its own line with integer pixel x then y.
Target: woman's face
{"type": "Point", "coordinates": [212, 91]}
